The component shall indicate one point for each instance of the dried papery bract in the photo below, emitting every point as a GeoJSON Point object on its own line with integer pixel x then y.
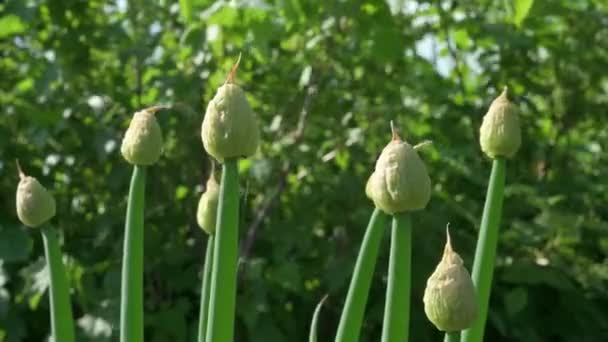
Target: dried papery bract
{"type": "Point", "coordinates": [143, 141]}
{"type": "Point", "coordinates": [500, 133]}
{"type": "Point", "coordinates": [230, 127]}
{"type": "Point", "coordinates": [35, 205]}
{"type": "Point", "coordinates": [400, 181]}
{"type": "Point", "coordinates": [449, 298]}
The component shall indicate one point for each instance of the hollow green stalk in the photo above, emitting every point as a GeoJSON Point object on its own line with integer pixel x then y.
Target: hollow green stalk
{"type": "Point", "coordinates": [312, 337]}
{"type": "Point", "coordinates": [349, 327]}
{"type": "Point", "coordinates": [397, 307]}
{"type": "Point", "coordinates": [62, 321]}
{"type": "Point", "coordinates": [222, 299]}
{"type": "Point", "coordinates": [131, 302]}
{"type": "Point", "coordinates": [205, 289]}
{"type": "Point", "coordinates": [485, 253]}
{"type": "Point", "coordinates": [452, 337]}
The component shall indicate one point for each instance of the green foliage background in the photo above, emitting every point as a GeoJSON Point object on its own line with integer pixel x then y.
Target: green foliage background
{"type": "Point", "coordinates": [325, 77]}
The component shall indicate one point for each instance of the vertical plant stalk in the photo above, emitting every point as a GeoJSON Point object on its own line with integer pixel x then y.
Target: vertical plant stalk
{"type": "Point", "coordinates": [222, 299]}
{"type": "Point", "coordinates": [349, 327]}
{"type": "Point", "coordinates": [452, 337]}
{"type": "Point", "coordinates": [397, 308]}
{"type": "Point", "coordinates": [62, 321]}
{"type": "Point", "coordinates": [312, 337]}
{"type": "Point", "coordinates": [205, 289]}
{"type": "Point", "coordinates": [131, 302]}
{"type": "Point", "coordinates": [485, 253]}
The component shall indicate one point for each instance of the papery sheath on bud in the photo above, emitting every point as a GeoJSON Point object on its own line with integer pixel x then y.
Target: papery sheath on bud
{"type": "Point", "coordinates": [35, 205]}
{"type": "Point", "coordinates": [500, 133]}
{"type": "Point", "coordinates": [400, 181]}
{"type": "Point", "coordinates": [230, 127]}
{"type": "Point", "coordinates": [143, 141]}
{"type": "Point", "coordinates": [450, 302]}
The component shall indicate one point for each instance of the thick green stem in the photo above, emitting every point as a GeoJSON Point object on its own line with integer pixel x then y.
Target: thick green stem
{"type": "Point", "coordinates": [131, 302]}
{"type": "Point", "coordinates": [485, 253]}
{"type": "Point", "coordinates": [205, 289]}
{"type": "Point", "coordinates": [397, 308]}
{"type": "Point", "coordinates": [222, 300]}
{"type": "Point", "coordinates": [356, 299]}
{"type": "Point", "coordinates": [452, 337]}
{"type": "Point", "coordinates": [62, 322]}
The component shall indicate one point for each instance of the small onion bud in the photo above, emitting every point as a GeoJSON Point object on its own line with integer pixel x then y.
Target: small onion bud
{"type": "Point", "coordinates": [35, 205]}
{"type": "Point", "coordinates": [400, 181]}
{"type": "Point", "coordinates": [500, 134]}
{"type": "Point", "coordinates": [230, 127]}
{"type": "Point", "coordinates": [143, 141]}
{"type": "Point", "coordinates": [207, 206]}
{"type": "Point", "coordinates": [450, 302]}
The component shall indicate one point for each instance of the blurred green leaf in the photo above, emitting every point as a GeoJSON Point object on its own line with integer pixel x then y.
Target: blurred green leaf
{"type": "Point", "coordinates": [11, 24]}
{"type": "Point", "coordinates": [521, 10]}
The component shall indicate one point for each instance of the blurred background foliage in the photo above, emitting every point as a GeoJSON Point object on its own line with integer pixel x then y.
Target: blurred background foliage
{"type": "Point", "coordinates": [326, 77]}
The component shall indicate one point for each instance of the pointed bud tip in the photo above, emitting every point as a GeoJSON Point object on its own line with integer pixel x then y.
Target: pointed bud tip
{"type": "Point", "coordinates": [395, 132]}
{"type": "Point", "coordinates": [154, 109]}
{"type": "Point", "coordinates": [21, 174]}
{"type": "Point", "coordinates": [448, 243]}
{"type": "Point", "coordinates": [504, 95]}
{"type": "Point", "coordinates": [232, 75]}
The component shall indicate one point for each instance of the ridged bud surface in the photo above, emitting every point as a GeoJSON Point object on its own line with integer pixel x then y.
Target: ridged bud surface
{"type": "Point", "coordinates": [230, 127]}
{"type": "Point", "coordinates": [35, 205]}
{"type": "Point", "coordinates": [400, 181]}
{"type": "Point", "coordinates": [450, 302]}
{"type": "Point", "coordinates": [500, 133]}
{"type": "Point", "coordinates": [206, 213]}
{"type": "Point", "coordinates": [143, 141]}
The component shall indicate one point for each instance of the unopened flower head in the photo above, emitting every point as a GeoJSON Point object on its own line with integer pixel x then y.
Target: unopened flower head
{"type": "Point", "coordinates": [449, 298]}
{"type": "Point", "coordinates": [400, 181]}
{"type": "Point", "coordinates": [143, 141]}
{"type": "Point", "coordinates": [35, 205]}
{"type": "Point", "coordinates": [230, 127]}
{"type": "Point", "coordinates": [206, 213]}
{"type": "Point", "coordinates": [500, 133]}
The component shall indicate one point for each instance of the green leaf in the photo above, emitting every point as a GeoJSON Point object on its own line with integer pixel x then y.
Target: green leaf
{"type": "Point", "coordinates": [315, 320]}
{"type": "Point", "coordinates": [11, 24]}
{"type": "Point", "coordinates": [522, 8]}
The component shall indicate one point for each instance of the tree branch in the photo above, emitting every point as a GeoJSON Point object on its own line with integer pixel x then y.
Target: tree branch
{"type": "Point", "coordinates": [273, 195]}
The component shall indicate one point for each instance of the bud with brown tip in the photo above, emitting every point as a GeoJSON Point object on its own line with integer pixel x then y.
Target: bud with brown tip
{"type": "Point", "coordinates": [35, 205]}
{"type": "Point", "coordinates": [400, 181]}
{"type": "Point", "coordinates": [450, 302]}
{"type": "Point", "coordinates": [143, 141]}
{"type": "Point", "coordinates": [230, 127]}
{"type": "Point", "coordinates": [206, 212]}
{"type": "Point", "coordinates": [500, 134]}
